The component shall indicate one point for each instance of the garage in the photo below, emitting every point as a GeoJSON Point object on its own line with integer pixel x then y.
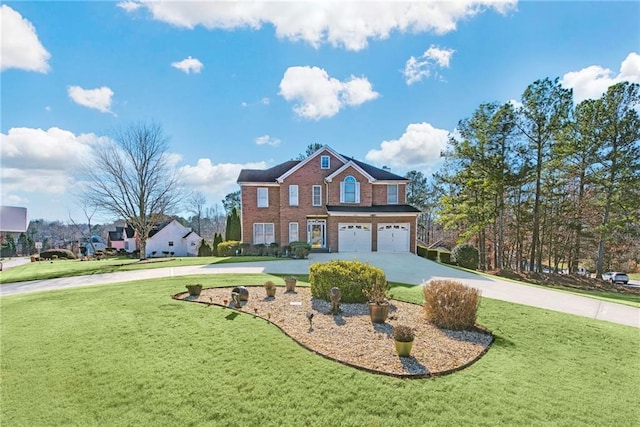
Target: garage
{"type": "Point", "coordinates": [354, 237]}
{"type": "Point", "coordinates": [393, 238]}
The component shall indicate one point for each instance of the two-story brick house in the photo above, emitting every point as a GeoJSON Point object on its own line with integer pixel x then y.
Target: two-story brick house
{"type": "Point", "coordinates": [334, 202]}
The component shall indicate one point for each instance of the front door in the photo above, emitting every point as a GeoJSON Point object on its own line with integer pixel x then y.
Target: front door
{"type": "Point", "coordinates": [316, 233]}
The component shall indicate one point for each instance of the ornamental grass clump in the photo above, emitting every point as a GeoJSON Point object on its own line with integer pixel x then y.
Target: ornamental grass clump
{"type": "Point", "coordinates": [403, 333]}
{"type": "Point", "coordinates": [450, 305]}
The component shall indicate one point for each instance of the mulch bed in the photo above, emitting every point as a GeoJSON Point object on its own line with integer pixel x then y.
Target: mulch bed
{"type": "Point", "coordinates": [352, 339]}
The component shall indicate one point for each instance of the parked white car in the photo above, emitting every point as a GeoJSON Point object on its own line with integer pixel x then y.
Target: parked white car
{"type": "Point", "coordinates": [615, 277]}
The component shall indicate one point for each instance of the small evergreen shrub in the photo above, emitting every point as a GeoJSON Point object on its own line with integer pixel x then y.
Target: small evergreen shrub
{"type": "Point", "coordinates": [228, 248]}
{"type": "Point", "coordinates": [444, 257]}
{"type": "Point", "coordinates": [204, 249]}
{"type": "Point", "coordinates": [352, 277]}
{"type": "Point", "coordinates": [421, 251]}
{"type": "Point", "coordinates": [466, 255]}
{"type": "Point", "coordinates": [217, 239]}
{"type": "Point", "coordinates": [57, 253]}
{"type": "Point", "coordinates": [449, 304]}
{"type": "Point", "coordinates": [432, 254]}
{"type": "Point", "coordinates": [299, 250]}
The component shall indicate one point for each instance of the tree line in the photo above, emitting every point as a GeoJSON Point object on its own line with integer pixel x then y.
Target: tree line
{"type": "Point", "coordinates": [543, 182]}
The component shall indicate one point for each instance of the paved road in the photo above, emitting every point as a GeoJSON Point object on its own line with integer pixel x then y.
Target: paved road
{"type": "Point", "coordinates": [403, 268]}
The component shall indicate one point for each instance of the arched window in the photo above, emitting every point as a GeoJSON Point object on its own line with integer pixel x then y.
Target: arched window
{"type": "Point", "coordinates": [350, 190]}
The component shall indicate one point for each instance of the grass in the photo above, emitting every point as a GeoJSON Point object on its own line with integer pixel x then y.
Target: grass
{"type": "Point", "coordinates": [65, 268]}
{"type": "Point", "coordinates": [127, 354]}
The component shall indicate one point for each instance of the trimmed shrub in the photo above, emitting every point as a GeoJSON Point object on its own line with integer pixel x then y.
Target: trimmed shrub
{"type": "Point", "coordinates": [466, 255]}
{"type": "Point", "coordinates": [57, 253]}
{"type": "Point", "coordinates": [421, 251]}
{"type": "Point", "coordinates": [228, 248]}
{"type": "Point", "coordinates": [299, 250]}
{"type": "Point", "coordinates": [432, 254]}
{"type": "Point", "coordinates": [352, 277]}
{"type": "Point", "coordinates": [449, 304]}
{"type": "Point", "coordinates": [204, 249]}
{"type": "Point", "coordinates": [444, 257]}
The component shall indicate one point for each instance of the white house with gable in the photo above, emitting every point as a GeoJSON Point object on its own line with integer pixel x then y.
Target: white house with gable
{"type": "Point", "coordinates": [172, 239]}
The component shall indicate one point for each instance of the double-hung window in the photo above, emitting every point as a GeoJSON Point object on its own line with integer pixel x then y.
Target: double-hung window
{"type": "Point", "coordinates": [293, 195]}
{"type": "Point", "coordinates": [316, 192]}
{"type": "Point", "coordinates": [263, 197]}
{"type": "Point", "coordinates": [392, 194]}
{"type": "Point", "coordinates": [350, 190]}
{"type": "Point", "coordinates": [263, 233]}
{"type": "Point", "coordinates": [293, 232]}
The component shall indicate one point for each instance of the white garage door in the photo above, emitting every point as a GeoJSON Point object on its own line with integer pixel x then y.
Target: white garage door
{"type": "Point", "coordinates": [354, 237]}
{"type": "Point", "coordinates": [393, 238]}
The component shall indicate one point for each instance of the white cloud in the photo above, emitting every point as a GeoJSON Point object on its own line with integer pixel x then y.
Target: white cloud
{"type": "Point", "coordinates": [129, 6]}
{"type": "Point", "coordinates": [99, 99]}
{"type": "Point", "coordinates": [420, 145]}
{"type": "Point", "coordinates": [347, 24]}
{"type": "Point", "coordinates": [591, 82]}
{"type": "Point", "coordinates": [418, 68]}
{"type": "Point", "coordinates": [189, 65]}
{"type": "Point", "coordinates": [20, 47]}
{"type": "Point", "coordinates": [215, 180]}
{"type": "Point", "coordinates": [265, 101]}
{"type": "Point", "coordinates": [320, 95]}
{"type": "Point", "coordinates": [41, 161]}
{"type": "Point", "coordinates": [267, 140]}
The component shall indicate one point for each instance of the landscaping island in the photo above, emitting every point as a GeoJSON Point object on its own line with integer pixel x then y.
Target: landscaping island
{"type": "Point", "coordinates": [351, 338]}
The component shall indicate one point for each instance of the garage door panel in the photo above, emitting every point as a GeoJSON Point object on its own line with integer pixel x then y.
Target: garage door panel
{"type": "Point", "coordinates": [354, 238]}
{"type": "Point", "coordinates": [393, 237]}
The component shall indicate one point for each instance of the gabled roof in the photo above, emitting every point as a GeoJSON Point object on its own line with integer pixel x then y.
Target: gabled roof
{"type": "Point", "coordinates": [377, 173]}
{"type": "Point", "coordinates": [266, 175]}
{"type": "Point", "coordinates": [311, 157]}
{"type": "Point", "coordinates": [278, 173]}
{"type": "Point", "coordinates": [159, 226]}
{"type": "Point", "coordinates": [347, 165]}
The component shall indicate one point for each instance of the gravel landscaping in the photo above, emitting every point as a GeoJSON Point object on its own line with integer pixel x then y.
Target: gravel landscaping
{"type": "Point", "coordinates": [351, 338]}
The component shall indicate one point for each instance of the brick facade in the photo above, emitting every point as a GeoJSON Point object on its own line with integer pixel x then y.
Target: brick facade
{"type": "Point", "coordinates": [372, 208]}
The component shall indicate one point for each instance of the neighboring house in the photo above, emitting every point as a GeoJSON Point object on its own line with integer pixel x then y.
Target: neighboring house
{"type": "Point", "coordinates": [87, 248]}
{"type": "Point", "coordinates": [122, 238]}
{"type": "Point", "coordinates": [172, 238]}
{"type": "Point", "coordinates": [334, 202]}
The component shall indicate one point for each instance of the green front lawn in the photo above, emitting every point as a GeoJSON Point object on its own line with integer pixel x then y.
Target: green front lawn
{"type": "Point", "coordinates": [65, 268]}
{"type": "Point", "coordinates": [127, 354]}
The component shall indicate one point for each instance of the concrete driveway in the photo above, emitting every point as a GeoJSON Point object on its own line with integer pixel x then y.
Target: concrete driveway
{"type": "Point", "coordinates": [398, 267]}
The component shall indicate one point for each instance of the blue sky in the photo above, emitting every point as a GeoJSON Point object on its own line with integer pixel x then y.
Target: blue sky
{"type": "Point", "coordinates": [251, 84]}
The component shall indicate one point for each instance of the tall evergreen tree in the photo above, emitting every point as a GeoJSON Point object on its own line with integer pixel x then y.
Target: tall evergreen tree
{"type": "Point", "coordinates": [544, 114]}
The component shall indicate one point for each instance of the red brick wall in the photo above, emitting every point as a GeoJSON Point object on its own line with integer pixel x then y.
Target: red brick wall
{"type": "Point", "coordinates": [366, 190]}
{"type": "Point", "coordinates": [251, 213]}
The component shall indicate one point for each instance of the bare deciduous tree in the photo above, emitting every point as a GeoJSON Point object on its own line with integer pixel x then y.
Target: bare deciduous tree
{"type": "Point", "coordinates": [133, 178]}
{"type": "Point", "coordinates": [196, 204]}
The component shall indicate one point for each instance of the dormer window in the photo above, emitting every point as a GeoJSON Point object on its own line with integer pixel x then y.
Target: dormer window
{"type": "Point", "coordinates": [325, 162]}
{"type": "Point", "coordinates": [349, 190]}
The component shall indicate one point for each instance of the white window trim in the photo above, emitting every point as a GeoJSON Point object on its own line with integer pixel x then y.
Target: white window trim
{"type": "Point", "coordinates": [342, 191]}
{"type": "Point", "coordinates": [295, 235]}
{"type": "Point", "coordinates": [328, 162]}
{"type": "Point", "coordinates": [313, 194]}
{"type": "Point", "coordinates": [264, 198]}
{"type": "Point", "coordinates": [293, 195]}
{"type": "Point", "coordinates": [264, 236]}
{"type": "Point", "coordinates": [397, 195]}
